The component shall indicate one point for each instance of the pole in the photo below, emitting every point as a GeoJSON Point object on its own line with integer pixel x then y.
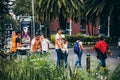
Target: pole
{"type": "Point", "coordinates": [108, 26]}
{"type": "Point", "coordinates": [40, 25]}
{"type": "Point", "coordinates": [33, 24]}
{"type": "Point", "coordinates": [70, 26]}
{"type": "Point", "coordinates": [88, 62]}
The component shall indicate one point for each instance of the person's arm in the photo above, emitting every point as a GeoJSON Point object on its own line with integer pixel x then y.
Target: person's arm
{"type": "Point", "coordinates": [48, 42]}
{"type": "Point", "coordinates": [81, 47]}
{"type": "Point", "coordinates": [18, 43]}
{"type": "Point", "coordinates": [92, 49]}
{"type": "Point", "coordinates": [108, 51]}
{"type": "Point", "coordinates": [58, 41]}
{"type": "Point", "coordinates": [41, 45]}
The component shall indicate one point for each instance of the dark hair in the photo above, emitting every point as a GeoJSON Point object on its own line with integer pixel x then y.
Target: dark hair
{"type": "Point", "coordinates": [18, 32]}
{"type": "Point", "coordinates": [78, 38]}
{"type": "Point", "coordinates": [102, 38]}
{"type": "Point", "coordinates": [44, 35]}
{"type": "Point", "coordinates": [58, 29]}
{"type": "Point", "coordinates": [37, 34]}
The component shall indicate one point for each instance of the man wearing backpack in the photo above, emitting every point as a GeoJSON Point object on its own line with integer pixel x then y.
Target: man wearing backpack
{"type": "Point", "coordinates": [78, 49]}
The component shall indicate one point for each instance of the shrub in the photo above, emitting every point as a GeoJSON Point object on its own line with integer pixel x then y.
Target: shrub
{"type": "Point", "coordinates": [52, 38]}
{"type": "Point", "coordinates": [40, 68]}
{"type": "Point", "coordinates": [89, 40]}
{"type": "Point", "coordinates": [116, 74]}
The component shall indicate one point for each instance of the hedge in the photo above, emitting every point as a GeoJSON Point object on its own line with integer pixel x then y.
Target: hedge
{"type": "Point", "coordinates": [90, 40]}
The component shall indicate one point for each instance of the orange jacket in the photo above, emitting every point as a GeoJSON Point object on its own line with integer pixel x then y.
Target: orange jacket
{"type": "Point", "coordinates": [14, 43]}
{"type": "Point", "coordinates": [35, 46]}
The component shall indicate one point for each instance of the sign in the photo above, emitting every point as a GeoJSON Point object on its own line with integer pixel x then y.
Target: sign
{"type": "Point", "coordinates": [26, 30]}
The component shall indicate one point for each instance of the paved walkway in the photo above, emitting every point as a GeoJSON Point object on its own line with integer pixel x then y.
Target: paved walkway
{"type": "Point", "coordinates": [112, 61]}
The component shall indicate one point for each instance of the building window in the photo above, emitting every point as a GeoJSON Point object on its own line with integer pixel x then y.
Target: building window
{"type": "Point", "coordinates": [82, 27]}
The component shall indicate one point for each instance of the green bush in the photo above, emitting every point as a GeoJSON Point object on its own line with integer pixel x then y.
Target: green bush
{"type": "Point", "coordinates": [116, 74]}
{"type": "Point", "coordinates": [40, 68]}
{"type": "Point", "coordinates": [52, 38]}
{"type": "Point", "coordinates": [90, 40]}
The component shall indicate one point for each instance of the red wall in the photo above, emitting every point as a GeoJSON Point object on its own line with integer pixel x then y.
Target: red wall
{"type": "Point", "coordinates": [75, 28]}
{"type": "Point", "coordinates": [90, 29]}
{"type": "Point", "coordinates": [54, 25]}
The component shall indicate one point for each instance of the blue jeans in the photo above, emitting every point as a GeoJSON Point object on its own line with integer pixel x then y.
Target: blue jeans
{"type": "Point", "coordinates": [59, 56]}
{"type": "Point", "coordinates": [13, 55]}
{"type": "Point", "coordinates": [44, 52]}
{"type": "Point", "coordinates": [65, 55]}
{"type": "Point", "coordinates": [102, 62]}
{"type": "Point", "coordinates": [78, 60]}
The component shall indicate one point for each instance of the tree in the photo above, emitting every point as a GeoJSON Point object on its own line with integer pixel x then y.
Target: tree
{"type": "Point", "coordinates": [103, 9]}
{"type": "Point", "coordinates": [22, 7]}
{"type": "Point", "coordinates": [48, 10]}
{"type": "Point", "coordinates": [4, 10]}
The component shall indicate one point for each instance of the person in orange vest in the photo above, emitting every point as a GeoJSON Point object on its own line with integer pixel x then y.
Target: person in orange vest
{"type": "Point", "coordinates": [35, 44]}
{"type": "Point", "coordinates": [102, 50]}
{"type": "Point", "coordinates": [58, 46]}
{"type": "Point", "coordinates": [16, 43]}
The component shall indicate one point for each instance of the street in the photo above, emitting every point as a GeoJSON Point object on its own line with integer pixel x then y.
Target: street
{"type": "Point", "coordinates": [112, 61]}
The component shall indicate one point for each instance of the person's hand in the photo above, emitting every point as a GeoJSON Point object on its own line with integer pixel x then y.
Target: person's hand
{"type": "Point", "coordinates": [24, 45]}
{"type": "Point", "coordinates": [109, 53]}
{"type": "Point", "coordinates": [92, 50]}
{"type": "Point", "coordinates": [85, 51]}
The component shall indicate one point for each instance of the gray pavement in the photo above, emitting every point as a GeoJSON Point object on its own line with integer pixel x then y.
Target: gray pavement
{"type": "Point", "coordinates": [112, 61]}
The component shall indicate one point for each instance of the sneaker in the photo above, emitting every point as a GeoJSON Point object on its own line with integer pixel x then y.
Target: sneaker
{"type": "Point", "coordinates": [80, 67]}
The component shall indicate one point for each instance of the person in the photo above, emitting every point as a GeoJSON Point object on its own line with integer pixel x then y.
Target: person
{"type": "Point", "coordinates": [101, 48]}
{"type": "Point", "coordinates": [16, 43]}
{"type": "Point", "coordinates": [35, 44]}
{"type": "Point", "coordinates": [65, 51]}
{"type": "Point", "coordinates": [26, 35]}
{"type": "Point", "coordinates": [58, 46]}
{"type": "Point", "coordinates": [44, 44]}
{"type": "Point", "coordinates": [79, 53]}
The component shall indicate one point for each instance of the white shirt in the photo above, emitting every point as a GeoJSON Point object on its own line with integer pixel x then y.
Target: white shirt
{"type": "Point", "coordinates": [65, 48]}
{"type": "Point", "coordinates": [33, 42]}
{"type": "Point", "coordinates": [45, 43]}
{"type": "Point", "coordinates": [80, 43]}
{"type": "Point", "coordinates": [56, 38]}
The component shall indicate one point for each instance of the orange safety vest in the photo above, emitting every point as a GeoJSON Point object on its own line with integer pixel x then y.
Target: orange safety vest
{"type": "Point", "coordinates": [14, 44]}
{"type": "Point", "coordinates": [35, 46]}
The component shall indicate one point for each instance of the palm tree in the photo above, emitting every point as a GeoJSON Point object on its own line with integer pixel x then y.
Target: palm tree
{"type": "Point", "coordinates": [48, 10]}
{"type": "Point", "coordinates": [103, 8]}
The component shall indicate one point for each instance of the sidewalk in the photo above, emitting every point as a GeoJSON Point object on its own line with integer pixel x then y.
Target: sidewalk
{"type": "Point", "coordinates": [112, 61]}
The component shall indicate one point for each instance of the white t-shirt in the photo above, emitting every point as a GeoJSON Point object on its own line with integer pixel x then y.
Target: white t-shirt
{"type": "Point", "coordinates": [45, 43]}
{"type": "Point", "coordinates": [56, 38]}
{"type": "Point", "coordinates": [65, 48]}
{"type": "Point", "coordinates": [80, 43]}
{"type": "Point", "coordinates": [33, 42]}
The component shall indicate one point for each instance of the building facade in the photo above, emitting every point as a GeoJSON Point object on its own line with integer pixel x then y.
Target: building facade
{"type": "Point", "coordinates": [88, 29]}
